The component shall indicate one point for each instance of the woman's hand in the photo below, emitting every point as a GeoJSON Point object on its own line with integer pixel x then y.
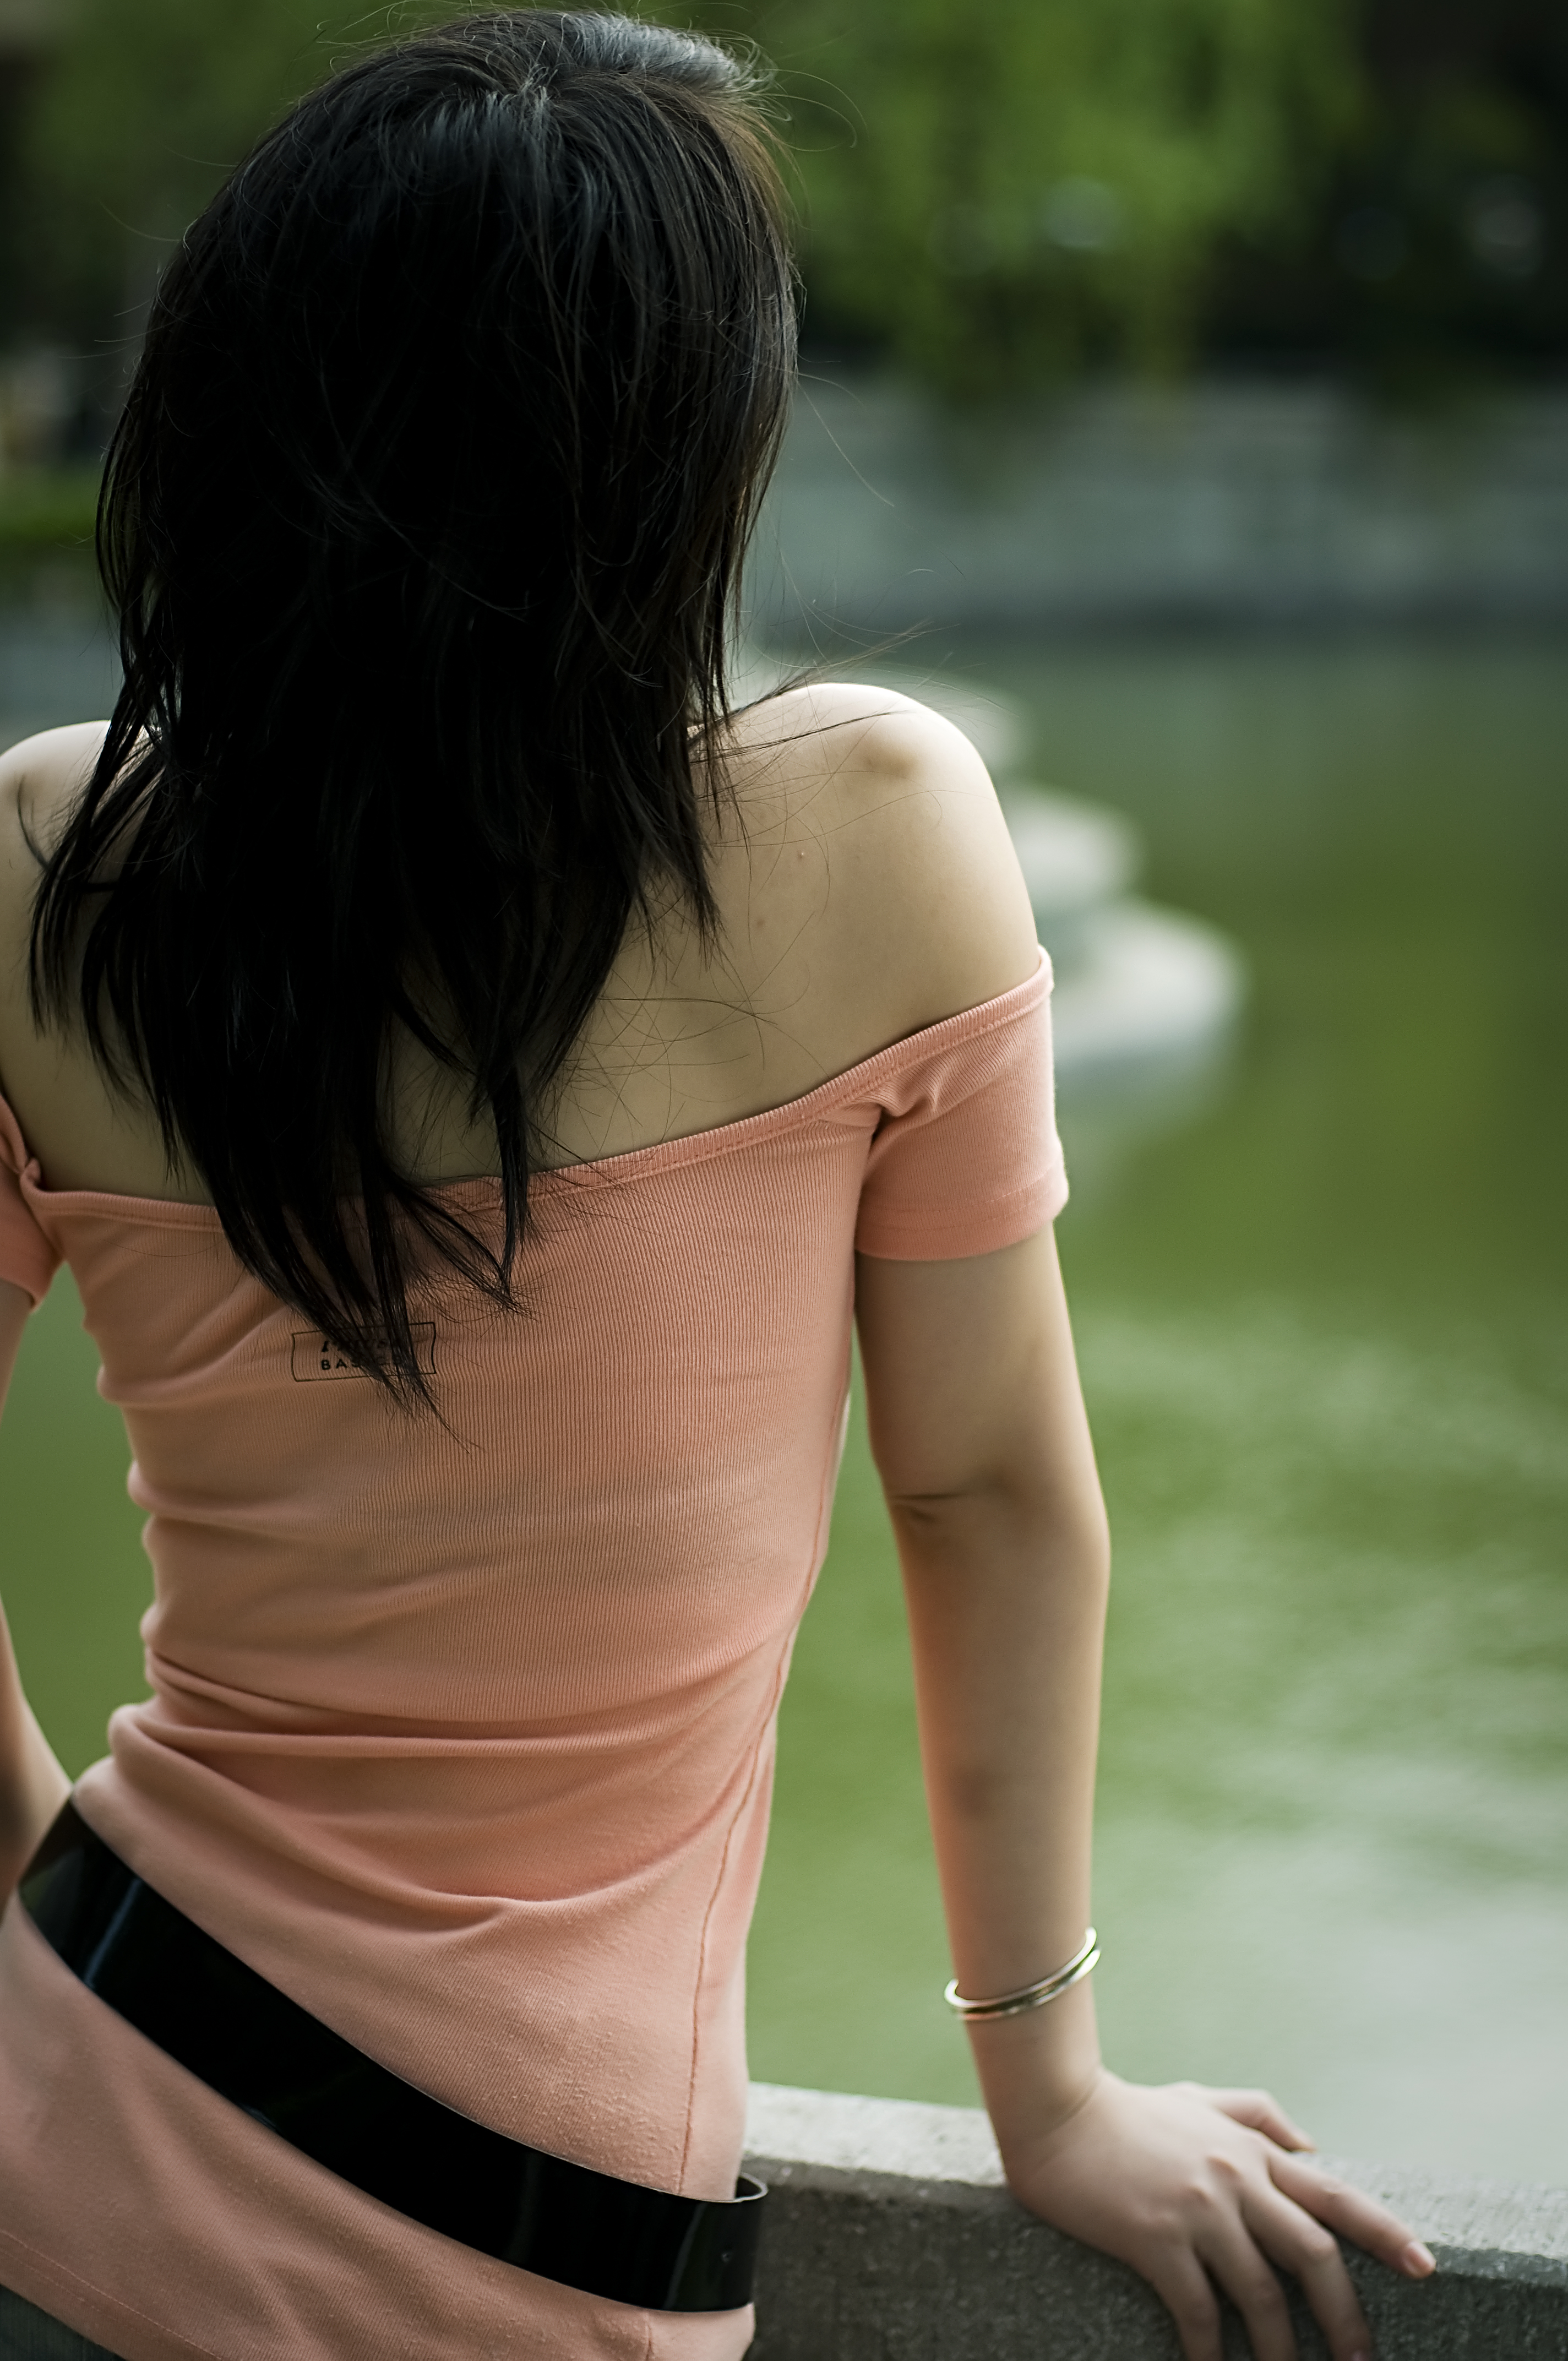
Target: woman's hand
{"type": "Point", "coordinates": [1200, 2188]}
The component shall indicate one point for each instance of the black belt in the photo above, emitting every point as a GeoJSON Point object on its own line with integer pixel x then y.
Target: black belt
{"type": "Point", "coordinates": [244, 2038]}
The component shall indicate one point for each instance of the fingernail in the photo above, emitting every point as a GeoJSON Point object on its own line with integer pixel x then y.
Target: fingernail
{"type": "Point", "coordinates": [1361, 2357]}
{"type": "Point", "coordinates": [1418, 2260]}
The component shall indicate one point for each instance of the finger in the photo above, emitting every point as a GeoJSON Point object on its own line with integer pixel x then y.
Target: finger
{"type": "Point", "coordinates": [1300, 2244]}
{"type": "Point", "coordinates": [1261, 2112]}
{"type": "Point", "coordinates": [1184, 2289]}
{"type": "Point", "coordinates": [1354, 2216]}
{"type": "Point", "coordinates": [1234, 2260]}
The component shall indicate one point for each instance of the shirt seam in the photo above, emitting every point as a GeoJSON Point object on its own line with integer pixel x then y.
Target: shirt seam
{"type": "Point", "coordinates": [54, 2268]}
{"type": "Point", "coordinates": [636, 1163]}
{"type": "Point", "coordinates": [823, 1506]}
{"type": "Point", "coordinates": [974, 1214]}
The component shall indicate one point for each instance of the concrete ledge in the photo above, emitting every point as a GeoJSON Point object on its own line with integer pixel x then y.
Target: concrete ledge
{"type": "Point", "coordinates": [891, 2237]}
{"type": "Point", "coordinates": [1220, 502]}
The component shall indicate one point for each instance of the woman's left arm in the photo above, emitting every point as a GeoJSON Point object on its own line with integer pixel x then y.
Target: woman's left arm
{"type": "Point", "coordinates": [32, 1785]}
{"type": "Point", "coordinates": [979, 1432]}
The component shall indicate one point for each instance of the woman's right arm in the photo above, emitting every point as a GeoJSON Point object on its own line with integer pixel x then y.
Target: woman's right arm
{"type": "Point", "coordinates": [32, 1785]}
{"type": "Point", "coordinates": [36, 777]}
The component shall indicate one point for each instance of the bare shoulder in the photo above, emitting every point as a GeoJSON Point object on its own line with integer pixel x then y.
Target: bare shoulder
{"type": "Point", "coordinates": [57, 762]}
{"type": "Point", "coordinates": [81, 1135]}
{"type": "Point", "coordinates": [873, 832]}
{"type": "Point", "coordinates": [40, 779]}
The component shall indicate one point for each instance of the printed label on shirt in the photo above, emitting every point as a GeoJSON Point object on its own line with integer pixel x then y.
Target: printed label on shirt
{"type": "Point", "coordinates": [315, 1357]}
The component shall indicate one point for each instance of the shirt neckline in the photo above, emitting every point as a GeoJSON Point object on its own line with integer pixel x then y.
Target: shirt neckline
{"type": "Point", "coordinates": [631, 1163]}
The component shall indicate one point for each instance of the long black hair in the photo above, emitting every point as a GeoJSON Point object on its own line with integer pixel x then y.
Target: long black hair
{"type": "Point", "coordinates": [422, 524]}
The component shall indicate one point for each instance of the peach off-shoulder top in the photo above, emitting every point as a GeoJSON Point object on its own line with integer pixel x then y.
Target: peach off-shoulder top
{"type": "Point", "coordinates": [461, 1730]}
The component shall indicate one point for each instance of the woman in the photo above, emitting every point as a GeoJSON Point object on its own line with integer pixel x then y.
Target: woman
{"type": "Point", "coordinates": [475, 1078]}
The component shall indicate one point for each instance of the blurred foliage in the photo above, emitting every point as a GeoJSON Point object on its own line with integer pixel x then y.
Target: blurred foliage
{"type": "Point", "coordinates": [990, 199]}
{"type": "Point", "coordinates": [47, 517]}
{"type": "Point", "coordinates": [1000, 195]}
{"type": "Point", "coordinates": [48, 512]}
{"type": "Point", "coordinates": [137, 115]}
{"type": "Point", "coordinates": [1441, 248]}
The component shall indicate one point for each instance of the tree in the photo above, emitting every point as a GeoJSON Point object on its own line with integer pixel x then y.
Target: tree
{"type": "Point", "coordinates": [141, 110]}
{"type": "Point", "coordinates": [994, 195]}
{"type": "Point", "coordinates": [991, 198]}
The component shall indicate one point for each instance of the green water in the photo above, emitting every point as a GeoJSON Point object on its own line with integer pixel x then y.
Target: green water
{"type": "Point", "coordinates": [1325, 1336]}
{"type": "Point", "coordinates": [1324, 1333]}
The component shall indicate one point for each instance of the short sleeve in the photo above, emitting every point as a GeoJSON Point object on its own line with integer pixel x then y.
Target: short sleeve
{"type": "Point", "coordinates": [965, 1157]}
{"type": "Point", "coordinates": [26, 1257]}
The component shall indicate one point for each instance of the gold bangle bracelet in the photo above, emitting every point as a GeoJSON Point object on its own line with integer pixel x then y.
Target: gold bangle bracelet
{"type": "Point", "coordinates": [1035, 1995]}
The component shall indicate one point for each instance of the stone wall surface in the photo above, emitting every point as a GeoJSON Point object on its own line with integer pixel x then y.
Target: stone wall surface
{"type": "Point", "coordinates": [891, 2237]}
{"type": "Point", "coordinates": [1217, 502]}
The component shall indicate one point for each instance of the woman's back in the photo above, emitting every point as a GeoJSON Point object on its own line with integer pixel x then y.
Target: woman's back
{"type": "Point", "coordinates": [462, 1725]}
{"type": "Point", "coordinates": [865, 888]}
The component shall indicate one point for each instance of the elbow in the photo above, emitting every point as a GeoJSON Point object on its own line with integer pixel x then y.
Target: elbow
{"type": "Point", "coordinates": [1096, 1546]}
{"type": "Point", "coordinates": [1061, 1539]}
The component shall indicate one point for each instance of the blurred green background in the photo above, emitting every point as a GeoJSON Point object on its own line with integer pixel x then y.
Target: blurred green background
{"type": "Point", "coordinates": [991, 198]}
